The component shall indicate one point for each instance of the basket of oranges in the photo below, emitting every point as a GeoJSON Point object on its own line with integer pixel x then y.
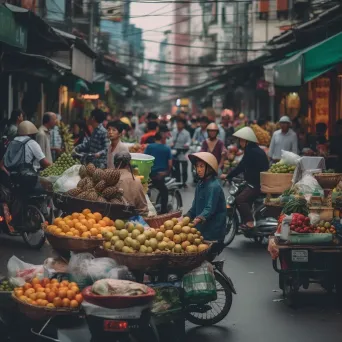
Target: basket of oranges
{"type": "Point", "coordinates": [78, 232]}
{"type": "Point", "coordinates": [43, 299]}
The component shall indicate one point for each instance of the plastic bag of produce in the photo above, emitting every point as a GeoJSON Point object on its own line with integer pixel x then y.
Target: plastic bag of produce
{"type": "Point", "coordinates": [151, 209]}
{"type": "Point", "coordinates": [289, 158]}
{"type": "Point", "coordinates": [68, 179]}
{"type": "Point", "coordinates": [199, 285]}
{"type": "Point", "coordinates": [78, 269]}
{"type": "Point", "coordinates": [308, 185]}
{"type": "Point", "coordinates": [20, 272]}
{"type": "Point", "coordinates": [167, 298]}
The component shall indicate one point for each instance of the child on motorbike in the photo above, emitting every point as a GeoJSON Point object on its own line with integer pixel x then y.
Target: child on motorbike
{"type": "Point", "coordinates": [208, 209]}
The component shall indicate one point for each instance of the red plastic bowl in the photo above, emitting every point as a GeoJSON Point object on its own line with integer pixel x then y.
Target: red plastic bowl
{"type": "Point", "coordinates": [118, 302]}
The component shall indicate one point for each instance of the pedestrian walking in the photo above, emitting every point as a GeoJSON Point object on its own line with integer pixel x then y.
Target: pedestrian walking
{"type": "Point", "coordinates": [44, 134]}
{"type": "Point", "coordinates": [181, 141]}
{"type": "Point", "coordinates": [56, 140]}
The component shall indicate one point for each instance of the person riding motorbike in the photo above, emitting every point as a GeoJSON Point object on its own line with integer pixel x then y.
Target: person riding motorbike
{"type": "Point", "coordinates": [253, 162]}
{"type": "Point", "coordinates": [21, 162]}
{"type": "Point", "coordinates": [214, 145]}
{"type": "Point", "coordinates": [208, 208]}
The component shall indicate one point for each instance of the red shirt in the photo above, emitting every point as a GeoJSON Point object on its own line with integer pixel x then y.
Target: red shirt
{"type": "Point", "coordinates": [146, 136]}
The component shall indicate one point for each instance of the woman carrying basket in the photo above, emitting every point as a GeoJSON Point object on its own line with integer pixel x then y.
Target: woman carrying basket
{"type": "Point", "coordinates": [208, 209]}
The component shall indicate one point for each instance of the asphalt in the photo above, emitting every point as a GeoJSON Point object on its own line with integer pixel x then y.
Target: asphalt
{"type": "Point", "coordinates": [258, 313]}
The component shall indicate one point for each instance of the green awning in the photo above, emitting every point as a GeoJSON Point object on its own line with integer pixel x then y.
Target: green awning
{"type": "Point", "coordinates": [309, 63]}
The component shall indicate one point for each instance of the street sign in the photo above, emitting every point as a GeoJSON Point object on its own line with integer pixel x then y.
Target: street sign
{"type": "Point", "coordinates": [11, 32]}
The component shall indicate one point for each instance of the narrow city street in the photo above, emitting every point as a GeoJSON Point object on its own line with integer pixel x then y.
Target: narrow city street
{"type": "Point", "coordinates": [258, 313]}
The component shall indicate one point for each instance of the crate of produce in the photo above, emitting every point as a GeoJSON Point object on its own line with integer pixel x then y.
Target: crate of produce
{"type": "Point", "coordinates": [275, 183]}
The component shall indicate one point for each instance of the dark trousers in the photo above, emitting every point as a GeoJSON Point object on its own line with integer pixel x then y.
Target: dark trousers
{"type": "Point", "coordinates": [159, 183]}
{"type": "Point", "coordinates": [245, 201]}
{"type": "Point", "coordinates": [177, 171]}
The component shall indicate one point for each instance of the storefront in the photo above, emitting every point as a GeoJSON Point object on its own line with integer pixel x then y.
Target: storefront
{"type": "Point", "coordinates": [310, 84]}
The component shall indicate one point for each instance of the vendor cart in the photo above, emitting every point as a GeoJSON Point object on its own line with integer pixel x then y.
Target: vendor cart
{"type": "Point", "coordinates": [301, 265]}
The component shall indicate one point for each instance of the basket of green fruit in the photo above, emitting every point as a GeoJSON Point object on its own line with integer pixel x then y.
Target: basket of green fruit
{"type": "Point", "coordinates": [63, 163]}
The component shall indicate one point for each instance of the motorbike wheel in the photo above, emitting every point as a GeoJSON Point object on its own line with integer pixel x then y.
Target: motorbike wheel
{"type": "Point", "coordinates": [34, 218]}
{"type": "Point", "coordinates": [232, 226]}
{"type": "Point", "coordinates": [223, 289]}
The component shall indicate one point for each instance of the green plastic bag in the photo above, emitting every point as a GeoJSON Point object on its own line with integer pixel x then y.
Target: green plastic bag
{"type": "Point", "coordinates": [199, 285]}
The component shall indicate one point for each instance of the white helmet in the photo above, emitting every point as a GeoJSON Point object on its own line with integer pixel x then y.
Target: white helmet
{"type": "Point", "coordinates": [246, 133]}
{"type": "Point", "coordinates": [285, 119]}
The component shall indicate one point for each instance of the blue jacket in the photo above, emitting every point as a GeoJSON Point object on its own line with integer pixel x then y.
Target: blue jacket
{"type": "Point", "coordinates": [210, 204]}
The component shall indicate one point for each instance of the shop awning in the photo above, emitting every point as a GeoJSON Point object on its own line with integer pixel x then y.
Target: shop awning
{"type": "Point", "coordinates": [309, 63]}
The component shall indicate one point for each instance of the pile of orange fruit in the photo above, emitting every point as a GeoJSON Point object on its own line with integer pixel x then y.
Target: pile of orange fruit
{"type": "Point", "coordinates": [84, 225]}
{"type": "Point", "coordinates": [50, 293]}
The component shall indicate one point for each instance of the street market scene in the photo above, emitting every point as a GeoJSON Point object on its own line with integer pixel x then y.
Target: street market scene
{"type": "Point", "coordinates": [170, 171]}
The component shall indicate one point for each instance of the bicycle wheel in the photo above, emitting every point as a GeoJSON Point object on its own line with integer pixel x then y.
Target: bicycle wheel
{"type": "Point", "coordinates": [34, 220]}
{"type": "Point", "coordinates": [223, 304]}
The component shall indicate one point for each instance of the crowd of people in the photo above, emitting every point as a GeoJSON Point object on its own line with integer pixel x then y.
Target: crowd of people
{"type": "Point", "coordinates": [202, 140]}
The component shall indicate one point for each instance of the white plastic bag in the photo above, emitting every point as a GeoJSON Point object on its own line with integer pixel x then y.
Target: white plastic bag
{"type": "Point", "coordinates": [68, 179]}
{"type": "Point", "coordinates": [314, 218]}
{"type": "Point", "coordinates": [285, 227]}
{"type": "Point", "coordinates": [308, 185]}
{"type": "Point", "coordinates": [289, 158]}
{"type": "Point", "coordinates": [151, 209]}
{"type": "Point", "coordinates": [20, 272]}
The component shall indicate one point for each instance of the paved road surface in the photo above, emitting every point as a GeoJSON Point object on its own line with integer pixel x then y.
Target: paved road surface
{"type": "Point", "coordinates": [257, 313]}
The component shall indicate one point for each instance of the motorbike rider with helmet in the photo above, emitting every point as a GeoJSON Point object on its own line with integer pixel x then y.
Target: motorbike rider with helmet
{"type": "Point", "coordinates": [214, 145]}
{"type": "Point", "coordinates": [208, 208]}
{"type": "Point", "coordinates": [24, 150]}
{"type": "Point", "coordinates": [20, 165]}
{"type": "Point", "coordinates": [253, 162]}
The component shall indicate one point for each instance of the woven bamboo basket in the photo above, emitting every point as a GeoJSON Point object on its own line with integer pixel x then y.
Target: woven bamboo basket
{"type": "Point", "coordinates": [328, 180]}
{"type": "Point", "coordinates": [157, 221]}
{"type": "Point", "coordinates": [273, 209]}
{"type": "Point", "coordinates": [73, 244]}
{"type": "Point", "coordinates": [139, 261]}
{"type": "Point", "coordinates": [275, 183]}
{"type": "Point", "coordinates": [186, 262]}
{"type": "Point", "coordinates": [42, 313]}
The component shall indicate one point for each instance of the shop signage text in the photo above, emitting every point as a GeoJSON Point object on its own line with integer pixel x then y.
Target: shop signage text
{"type": "Point", "coordinates": [11, 32]}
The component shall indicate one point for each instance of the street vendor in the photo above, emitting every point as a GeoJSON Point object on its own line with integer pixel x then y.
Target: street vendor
{"type": "Point", "coordinates": [114, 131]}
{"type": "Point", "coordinates": [132, 187]}
{"type": "Point", "coordinates": [208, 208]}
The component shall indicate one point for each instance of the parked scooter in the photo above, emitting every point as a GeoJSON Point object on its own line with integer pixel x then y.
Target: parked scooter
{"type": "Point", "coordinates": [264, 226]}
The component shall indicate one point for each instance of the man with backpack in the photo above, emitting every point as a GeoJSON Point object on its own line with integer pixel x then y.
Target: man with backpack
{"type": "Point", "coordinates": [24, 156]}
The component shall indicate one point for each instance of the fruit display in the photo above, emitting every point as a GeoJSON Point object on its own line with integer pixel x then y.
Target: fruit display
{"type": "Point", "coordinates": [301, 224]}
{"type": "Point", "coordinates": [172, 237]}
{"type": "Point", "coordinates": [137, 148]}
{"type": "Point", "coordinates": [232, 160]}
{"type": "Point", "coordinates": [98, 185]}
{"type": "Point", "coordinates": [67, 138]}
{"type": "Point", "coordinates": [64, 162]}
{"type": "Point", "coordinates": [51, 294]}
{"type": "Point", "coordinates": [5, 286]}
{"type": "Point", "coordinates": [296, 205]}
{"type": "Point", "coordinates": [85, 225]}
{"type": "Point", "coordinates": [262, 135]}
{"type": "Point", "coordinates": [280, 167]}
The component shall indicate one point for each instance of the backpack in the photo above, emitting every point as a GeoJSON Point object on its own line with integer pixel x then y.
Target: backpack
{"type": "Point", "coordinates": [22, 173]}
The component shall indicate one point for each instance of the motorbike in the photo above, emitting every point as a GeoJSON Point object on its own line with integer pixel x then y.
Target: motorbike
{"type": "Point", "coordinates": [29, 211]}
{"type": "Point", "coordinates": [175, 201]}
{"type": "Point", "coordinates": [264, 226]}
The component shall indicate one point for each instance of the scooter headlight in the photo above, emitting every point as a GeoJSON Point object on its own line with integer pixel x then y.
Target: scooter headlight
{"type": "Point", "coordinates": [233, 190]}
{"type": "Point", "coordinates": [230, 200]}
